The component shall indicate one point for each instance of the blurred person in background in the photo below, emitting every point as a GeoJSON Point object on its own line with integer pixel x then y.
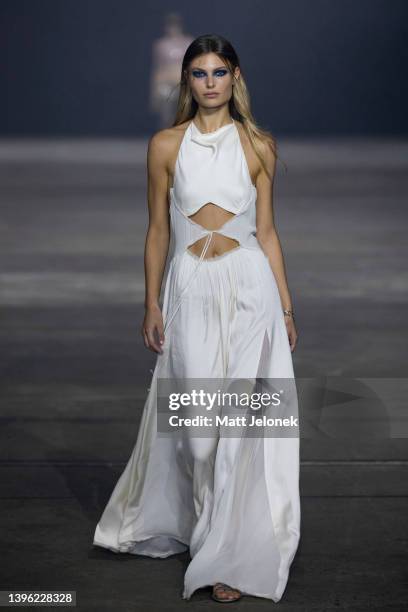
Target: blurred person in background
{"type": "Point", "coordinates": [168, 52]}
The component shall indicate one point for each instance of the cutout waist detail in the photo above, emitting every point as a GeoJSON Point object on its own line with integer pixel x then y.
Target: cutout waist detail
{"type": "Point", "coordinates": [241, 227]}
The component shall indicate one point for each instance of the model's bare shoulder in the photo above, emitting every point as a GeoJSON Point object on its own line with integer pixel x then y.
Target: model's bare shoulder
{"type": "Point", "coordinates": [166, 137]}
{"type": "Point", "coordinates": [267, 148]}
{"type": "Point", "coordinates": [266, 145]}
{"type": "Point", "coordinates": [163, 144]}
{"type": "Point", "coordinates": [159, 142]}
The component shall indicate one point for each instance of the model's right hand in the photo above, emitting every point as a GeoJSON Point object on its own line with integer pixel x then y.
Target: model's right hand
{"type": "Point", "coordinates": [152, 327]}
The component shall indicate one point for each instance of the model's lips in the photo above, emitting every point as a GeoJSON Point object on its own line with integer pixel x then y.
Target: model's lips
{"type": "Point", "coordinates": [211, 95]}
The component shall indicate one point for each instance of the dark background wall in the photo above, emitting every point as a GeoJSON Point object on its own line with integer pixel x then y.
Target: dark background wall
{"type": "Point", "coordinates": [313, 66]}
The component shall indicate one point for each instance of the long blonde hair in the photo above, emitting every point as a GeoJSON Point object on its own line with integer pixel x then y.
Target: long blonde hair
{"type": "Point", "coordinates": [239, 103]}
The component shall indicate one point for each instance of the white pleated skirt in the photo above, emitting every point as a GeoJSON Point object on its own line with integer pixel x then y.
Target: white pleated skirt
{"type": "Point", "coordinates": [233, 502]}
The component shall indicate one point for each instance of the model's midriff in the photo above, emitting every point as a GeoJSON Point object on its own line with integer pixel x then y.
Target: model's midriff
{"type": "Point", "coordinates": [212, 217]}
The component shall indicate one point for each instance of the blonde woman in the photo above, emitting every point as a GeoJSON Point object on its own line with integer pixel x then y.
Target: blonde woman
{"type": "Point", "coordinates": [232, 501]}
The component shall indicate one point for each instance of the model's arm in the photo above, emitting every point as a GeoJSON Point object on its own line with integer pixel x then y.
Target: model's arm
{"type": "Point", "coordinates": [268, 238]}
{"type": "Point", "coordinates": [157, 238]}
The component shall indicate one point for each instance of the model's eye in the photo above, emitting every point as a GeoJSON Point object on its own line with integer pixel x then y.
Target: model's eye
{"type": "Point", "coordinates": [198, 74]}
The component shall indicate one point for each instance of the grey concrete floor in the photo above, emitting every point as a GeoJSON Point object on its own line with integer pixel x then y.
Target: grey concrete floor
{"type": "Point", "coordinates": [75, 373]}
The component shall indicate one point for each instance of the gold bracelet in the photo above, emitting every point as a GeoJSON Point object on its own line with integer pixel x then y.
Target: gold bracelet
{"type": "Point", "coordinates": [289, 313]}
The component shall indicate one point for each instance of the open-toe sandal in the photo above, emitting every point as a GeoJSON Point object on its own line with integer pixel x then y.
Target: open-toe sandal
{"type": "Point", "coordinates": [220, 586]}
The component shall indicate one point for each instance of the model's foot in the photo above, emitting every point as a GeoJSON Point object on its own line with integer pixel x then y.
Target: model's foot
{"type": "Point", "coordinates": [223, 592]}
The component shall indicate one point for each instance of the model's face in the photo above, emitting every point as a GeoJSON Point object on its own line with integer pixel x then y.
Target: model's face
{"type": "Point", "coordinates": [210, 80]}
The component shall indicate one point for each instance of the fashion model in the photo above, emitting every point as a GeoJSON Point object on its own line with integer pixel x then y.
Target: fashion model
{"type": "Point", "coordinates": [233, 502]}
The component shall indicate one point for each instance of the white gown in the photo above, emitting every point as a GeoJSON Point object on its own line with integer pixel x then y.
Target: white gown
{"type": "Point", "coordinates": [234, 504]}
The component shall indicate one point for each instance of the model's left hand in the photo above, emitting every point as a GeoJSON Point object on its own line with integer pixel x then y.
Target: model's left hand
{"type": "Point", "coordinates": [292, 333]}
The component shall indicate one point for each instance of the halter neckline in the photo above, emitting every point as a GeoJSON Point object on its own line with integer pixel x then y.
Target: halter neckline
{"type": "Point", "coordinates": [214, 131]}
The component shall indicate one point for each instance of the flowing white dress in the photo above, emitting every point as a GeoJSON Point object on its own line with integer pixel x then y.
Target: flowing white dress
{"type": "Point", "coordinates": [234, 505]}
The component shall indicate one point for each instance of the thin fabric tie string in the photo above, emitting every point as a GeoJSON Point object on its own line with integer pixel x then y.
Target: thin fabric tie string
{"type": "Point", "coordinates": [178, 302]}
